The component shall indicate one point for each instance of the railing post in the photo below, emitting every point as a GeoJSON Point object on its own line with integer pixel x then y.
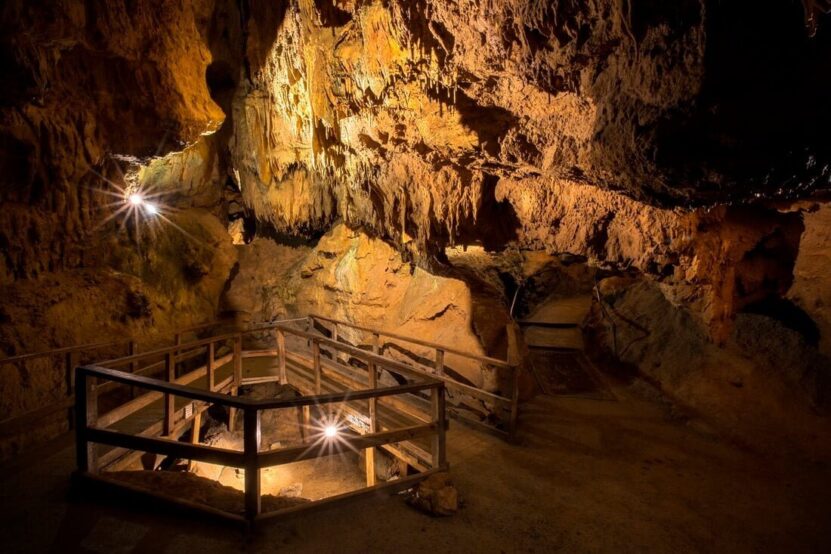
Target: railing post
{"type": "Point", "coordinates": [281, 352]}
{"type": "Point", "coordinates": [178, 340]}
{"type": "Point", "coordinates": [514, 405]}
{"type": "Point", "coordinates": [132, 350]}
{"type": "Point", "coordinates": [209, 366]}
{"type": "Point", "coordinates": [169, 409]}
{"type": "Point", "coordinates": [310, 327]}
{"type": "Point", "coordinates": [373, 425]}
{"type": "Point", "coordinates": [251, 417]}
{"type": "Point", "coordinates": [71, 362]}
{"type": "Point", "coordinates": [316, 363]}
{"type": "Point", "coordinates": [335, 332]}
{"type": "Point", "coordinates": [232, 412]}
{"type": "Point", "coordinates": [194, 432]}
{"type": "Point", "coordinates": [439, 417]}
{"type": "Point", "coordinates": [86, 415]}
{"type": "Point", "coordinates": [439, 361]}
{"type": "Point", "coordinates": [515, 360]}
{"type": "Point", "coordinates": [376, 343]}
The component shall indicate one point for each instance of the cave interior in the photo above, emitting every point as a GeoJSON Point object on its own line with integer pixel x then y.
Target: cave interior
{"type": "Point", "coordinates": [600, 228]}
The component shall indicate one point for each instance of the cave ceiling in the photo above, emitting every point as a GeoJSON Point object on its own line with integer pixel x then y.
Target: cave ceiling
{"type": "Point", "coordinates": [437, 122]}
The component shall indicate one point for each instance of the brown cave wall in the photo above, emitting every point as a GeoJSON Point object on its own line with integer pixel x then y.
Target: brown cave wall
{"type": "Point", "coordinates": [354, 277]}
{"type": "Point", "coordinates": [679, 142]}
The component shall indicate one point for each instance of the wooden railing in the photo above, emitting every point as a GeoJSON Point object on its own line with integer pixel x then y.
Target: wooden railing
{"type": "Point", "coordinates": [93, 427]}
{"type": "Point", "coordinates": [438, 369]}
{"type": "Point", "coordinates": [24, 423]}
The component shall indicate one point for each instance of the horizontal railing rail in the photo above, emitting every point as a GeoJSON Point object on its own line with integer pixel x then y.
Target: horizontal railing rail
{"type": "Point", "coordinates": [508, 402]}
{"type": "Point", "coordinates": [20, 423]}
{"type": "Point", "coordinates": [91, 430]}
{"type": "Point", "coordinates": [64, 350]}
{"type": "Point", "coordinates": [443, 347]}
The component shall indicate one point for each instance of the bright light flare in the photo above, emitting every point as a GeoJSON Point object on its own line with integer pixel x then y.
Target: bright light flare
{"type": "Point", "coordinates": [330, 431]}
{"type": "Point", "coordinates": [151, 209]}
{"type": "Point", "coordinates": [136, 199]}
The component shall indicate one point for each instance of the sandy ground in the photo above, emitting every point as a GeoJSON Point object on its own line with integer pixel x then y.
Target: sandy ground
{"type": "Point", "coordinates": [590, 476]}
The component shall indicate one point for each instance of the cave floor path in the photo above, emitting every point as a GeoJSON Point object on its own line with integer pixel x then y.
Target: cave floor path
{"type": "Point", "coordinates": [589, 476]}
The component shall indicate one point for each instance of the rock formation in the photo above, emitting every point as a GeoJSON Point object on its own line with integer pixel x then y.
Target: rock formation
{"type": "Point", "coordinates": [678, 146]}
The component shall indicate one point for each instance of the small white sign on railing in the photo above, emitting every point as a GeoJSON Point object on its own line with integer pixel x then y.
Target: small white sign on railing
{"type": "Point", "coordinates": [189, 410]}
{"type": "Point", "coordinates": [358, 422]}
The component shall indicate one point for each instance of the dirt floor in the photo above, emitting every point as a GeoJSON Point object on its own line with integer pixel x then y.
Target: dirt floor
{"type": "Point", "coordinates": [590, 476]}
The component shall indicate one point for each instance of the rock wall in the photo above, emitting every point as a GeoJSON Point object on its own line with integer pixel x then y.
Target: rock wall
{"type": "Point", "coordinates": [811, 289]}
{"type": "Point", "coordinates": [766, 386]}
{"type": "Point", "coordinates": [353, 277]}
{"type": "Point", "coordinates": [682, 141]}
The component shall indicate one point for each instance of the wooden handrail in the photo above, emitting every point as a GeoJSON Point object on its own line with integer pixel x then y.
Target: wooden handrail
{"type": "Point", "coordinates": [399, 366]}
{"type": "Point", "coordinates": [484, 359]}
{"type": "Point", "coordinates": [90, 429]}
{"type": "Point", "coordinates": [345, 444]}
{"type": "Point", "coordinates": [194, 344]}
{"type": "Point", "coordinates": [64, 350]}
{"type": "Point", "coordinates": [242, 403]}
{"type": "Point", "coordinates": [95, 345]}
{"type": "Point", "coordinates": [158, 445]}
{"type": "Point", "coordinates": [159, 386]}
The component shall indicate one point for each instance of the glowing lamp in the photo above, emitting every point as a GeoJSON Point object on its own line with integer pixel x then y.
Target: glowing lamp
{"type": "Point", "coordinates": [135, 199]}
{"type": "Point", "coordinates": [330, 431]}
{"type": "Point", "coordinates": [151, 209]}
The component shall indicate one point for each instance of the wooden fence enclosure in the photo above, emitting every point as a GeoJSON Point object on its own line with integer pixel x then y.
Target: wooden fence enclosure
{"type": "Point", "coordinates": [407, 420]}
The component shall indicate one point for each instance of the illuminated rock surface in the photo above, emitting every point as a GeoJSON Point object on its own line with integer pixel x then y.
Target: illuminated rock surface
{"type": "Point", "coordinates": [676, 151]}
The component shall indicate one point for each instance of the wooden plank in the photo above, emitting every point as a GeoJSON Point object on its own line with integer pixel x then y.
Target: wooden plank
{"type": "Point", "coordinates": [260, 353]}
{"type": "Point", "coordinates": [87, 414]}
{"type": "Point", "coordinates": [169, 399]}
{"type": "Point", "coordinates": [167, 447]}
{"type": "Point", "coordinates": [438, 446]}
{"type": "Point", "coordinates": [149, 369]}
{"type": "Point", "coordinates": [344, 444]}
{"type": "Point", "coordinates": [58, 351]}
{"type": "Point", "coordinates": [210, 366]}
{"type": "Point", "coordinates": [260, 380]}
{"type": "Point", "coordinates": [477, 357]}
{"type": "Point", "coordinates": [132, 350]}
{"type": "Point", "coordinates": [237, 360]}
{"type": "Point", "coordinates": [306, 424]}
{"type": "Point", "coordinates": [398, 367]}
{"type": "Point", "coordinates": [176, 388]}
{"type": "Point", "coordinates": [128, 408]}
{"type": "Point", "coordinates": [348, 396]}
{"type": "Point", "coordinates": [194, 432]}
{"type": "Point", "coordinates": [347, 376]}
{"type": "Point", "coordinates": [512, 423]}
{"type": "Point", "coordinates": [281, 349]}
{"type": "Point", "coordinates": [414, 455]}
{"type": "Point", "coordinates": [121, 457]}
{"type": "Point", "coordinates": [190, 346]}
{"type": "Point", "coordinates": [237, 374]}
{"type": "Point", "coordinates": [181, 356]}
{"type": "Point", "coordinates": [373, 426]}
{"type": "Point", "coordinates": [439, 361]}
{"type": "Point", "coordinates": [316, 364]}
